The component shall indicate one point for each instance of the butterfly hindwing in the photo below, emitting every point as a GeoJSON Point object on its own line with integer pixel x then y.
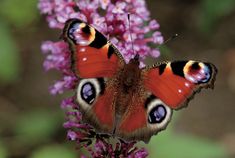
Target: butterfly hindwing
{"type": "Point", "coordinates": [96, 99]}
{"type": "Point", "coordinates": [139, 121]}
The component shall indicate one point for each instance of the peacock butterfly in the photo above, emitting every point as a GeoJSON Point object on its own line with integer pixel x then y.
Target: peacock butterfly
{"type": "Point", "coordinates": [120, 98]}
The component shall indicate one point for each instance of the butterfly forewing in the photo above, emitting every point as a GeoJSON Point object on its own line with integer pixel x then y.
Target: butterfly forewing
{"type": "Point", "coordinates": [92, 54]}
{"type": "Point", "coordinates": [176, 82]}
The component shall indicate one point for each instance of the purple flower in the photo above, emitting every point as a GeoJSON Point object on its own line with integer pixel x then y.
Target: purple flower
{"type": "Point", "coordinates": [120, 149]}
{"type": "Point", "coordinates": [131, 36]}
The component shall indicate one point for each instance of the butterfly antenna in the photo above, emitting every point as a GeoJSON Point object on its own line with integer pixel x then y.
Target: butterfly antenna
{"type": "Point", "coordinates": [169, 39]}
{"type": "Point", "coordinates": [129, 23]}
{"type": "Point", "coordinates": [107, 32]}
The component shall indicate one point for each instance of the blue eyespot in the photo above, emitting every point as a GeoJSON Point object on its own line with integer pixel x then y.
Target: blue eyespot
{"type": "Point", "coordinates": [207, 74]}
{"type": "Point", "coordinates": [73, 29]}
{"type": "Point", "coordinates": [88, 93]}
{"type": "Point", "coordinates": [199, 73]}
{"type": "Point", "coordinates": [157, 114]}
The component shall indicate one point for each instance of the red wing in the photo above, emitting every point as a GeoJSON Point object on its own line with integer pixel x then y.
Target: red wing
{"type": "Point", "coordinates": [164, 87]}
{"type": "Point", "coordinates": [176, 82]}
{"type": "Point", "coordinates": [96, 98]}
{"type": "Point", "coordinates": [135, 116]}
{"type": "Point", "coordinates": [95, 61]}
{"type": "Point", "coordinates": [140, 122]}
{"type": "Point", "coordinates": [92, 54]}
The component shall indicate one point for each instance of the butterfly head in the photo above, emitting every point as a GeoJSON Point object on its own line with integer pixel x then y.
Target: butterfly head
{"type": "Point", "coordinates": [131, 73]}
{"type": "Point", "coordinates": [135, 60]}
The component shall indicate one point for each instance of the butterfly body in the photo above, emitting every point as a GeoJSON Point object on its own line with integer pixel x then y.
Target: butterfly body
{"type": "Point", "coordinates": [121, 99]}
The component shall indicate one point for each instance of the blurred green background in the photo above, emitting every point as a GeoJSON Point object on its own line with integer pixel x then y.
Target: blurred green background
{"type": "Point", "coordinates": [31, 119]}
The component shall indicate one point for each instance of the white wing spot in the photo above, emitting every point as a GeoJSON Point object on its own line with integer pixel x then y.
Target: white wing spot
{"type": "Point", "coordinates": [186, 84]}
{"type": "Point", "coordinates": [82, 49]}
{"type": "Point", "coordinates": [179, 90]}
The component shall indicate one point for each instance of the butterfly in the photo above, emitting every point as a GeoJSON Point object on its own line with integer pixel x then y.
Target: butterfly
{"type": "Point", "coordinates": [121, 99]}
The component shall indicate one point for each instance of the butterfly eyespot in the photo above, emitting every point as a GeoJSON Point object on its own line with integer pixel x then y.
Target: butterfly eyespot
{"type": "Point", "coordinates": [88, 93]}
{"type": "Point", "coordinates": [197, 72]}
{"type": "Point", "coordinates": [195, 66]}
{"type": "Point", "coordinates": [157, 114]}
{"type": "Point", "coordinates": [88, 90]}
{"type": "Point", "coordinates": [77, 32]}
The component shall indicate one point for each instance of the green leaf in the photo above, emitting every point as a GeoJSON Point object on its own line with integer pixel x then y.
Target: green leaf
{"type": "Point", "coordinates": [9, 56]}
{"type": "Point", "coordinates": [170, 145]}
{"type": "Point", "coordinates": [55, 151]}
{"type": "Point", "coordinates": [37, 126]}
{"type": "Point", "coordinates": [3, 151]}
{"type": "Point", "coordinates": [211, 11]}
{"type": "Point", "coordinates": [19, 13]}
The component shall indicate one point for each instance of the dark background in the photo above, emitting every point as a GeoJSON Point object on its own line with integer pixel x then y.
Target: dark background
{"type": "Point", "coordinates": [31, 119]}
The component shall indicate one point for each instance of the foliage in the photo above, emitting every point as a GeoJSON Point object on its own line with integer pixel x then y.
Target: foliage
{"type": "Point", "coordinates": [211, 12]}
{"type": "Point", "coordinates": [37, 126]}
{"type": "Point", "coordinates": [13, 16]}
{"type": "Point", "coordinates": [9, 55]}
{"type": "Point", "coordinates": [19, 17]}
{"type": "Point", "coordinates": [53, 151]}
{"type": "Point", "coordinates": [169, 144]}
{"type": "Point", "coordinates": [3, 152]}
